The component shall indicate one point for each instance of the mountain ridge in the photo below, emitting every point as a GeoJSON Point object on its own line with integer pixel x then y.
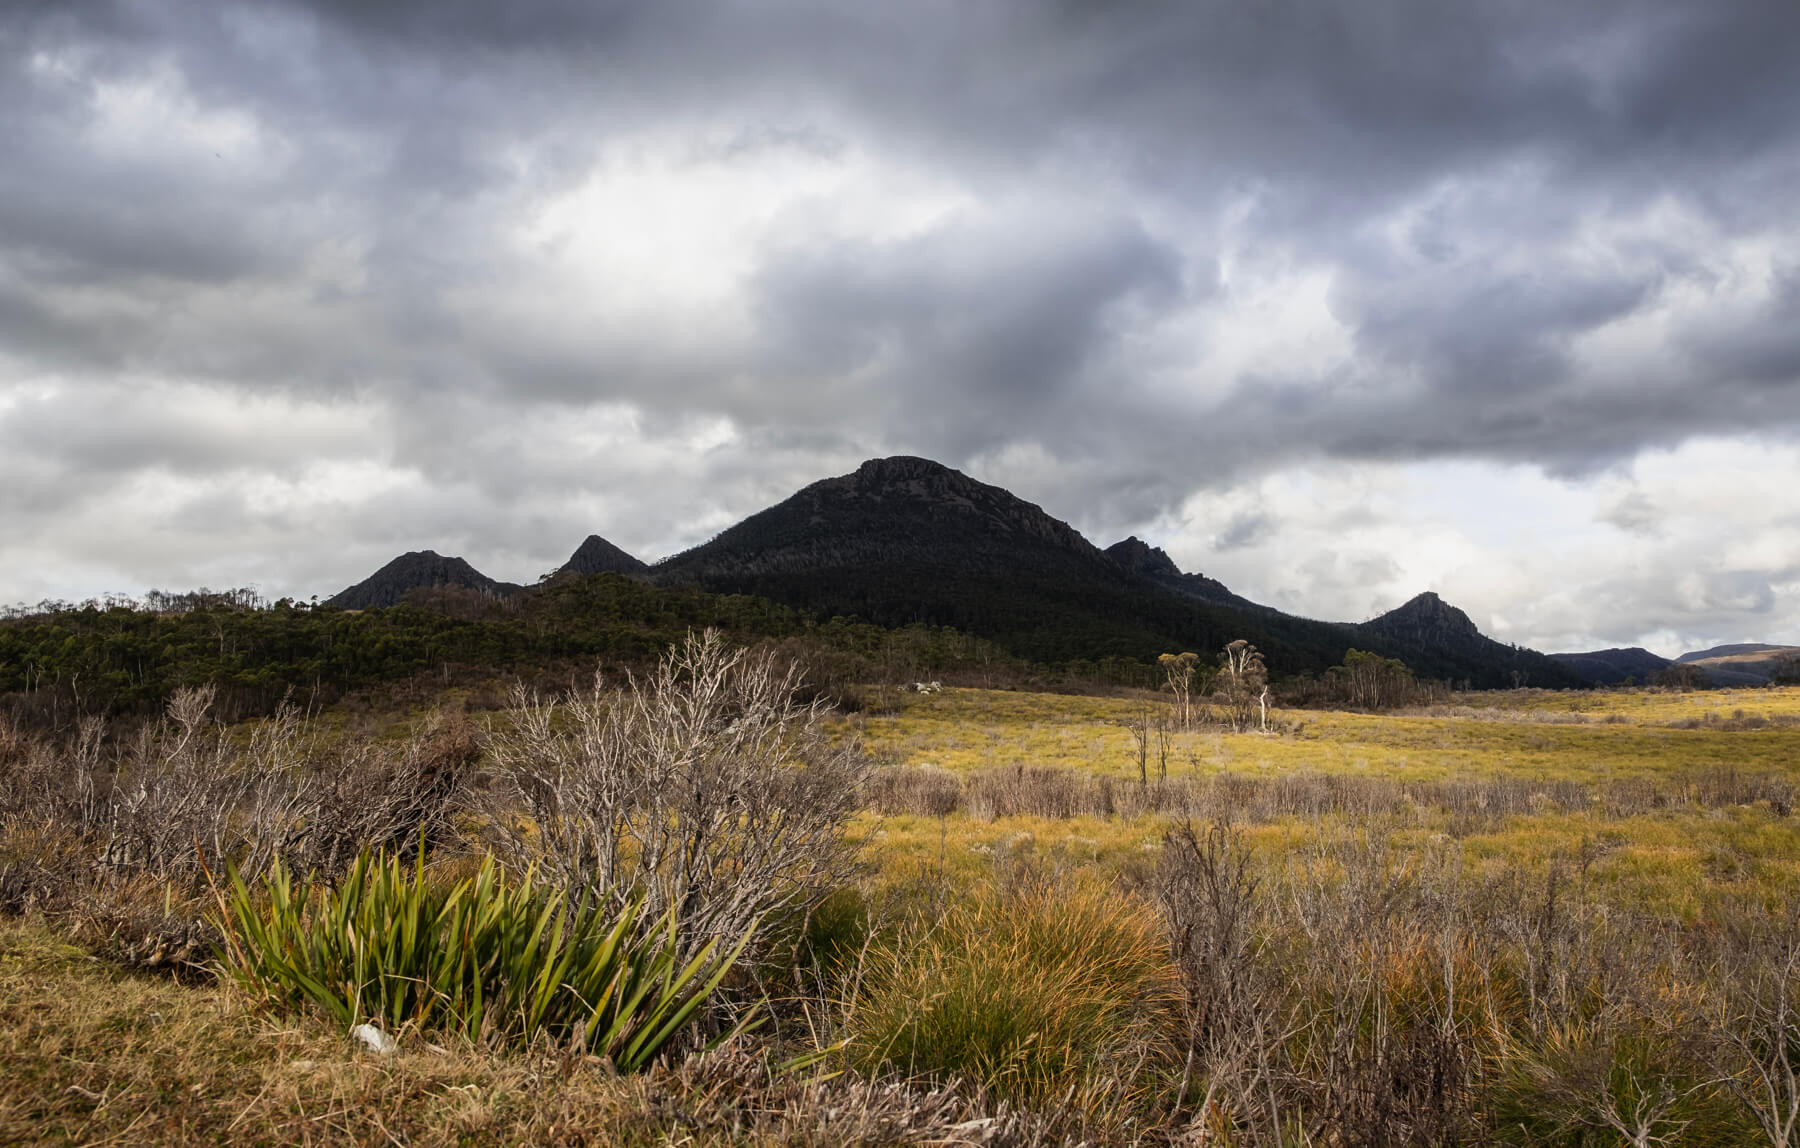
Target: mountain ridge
{"type": "Point", "coordinates": [1615, 666]}
{"type": "Point", "coordinates": [1139, 557]}
{"type": "Point", "coordinates": [905, 540]}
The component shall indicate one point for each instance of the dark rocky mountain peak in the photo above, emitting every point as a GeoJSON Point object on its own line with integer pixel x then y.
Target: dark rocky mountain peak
{"type": "Point", "coordinates": [1139, 557]}
{"type": "Point", "coordinates": [598, 556]}
{"type": "Point", "coordinates": [1428, 619]}
{"type": "Point", "coordinates": [905, 540]}
{"type": "Point", "coordinates": [419, 569]}
{"type": "Point", "coordinates": [887, 513]}
{"type": "Point", "coordinates": [1442, 631]}
{"type": "Point", "coordinates": [905, 484]}
{"type": "Point", "coordinates": [1135, 556]}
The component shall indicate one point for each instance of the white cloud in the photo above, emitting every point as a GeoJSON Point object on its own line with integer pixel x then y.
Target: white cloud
{"type": "Point", "coordinates": [1539, 561]}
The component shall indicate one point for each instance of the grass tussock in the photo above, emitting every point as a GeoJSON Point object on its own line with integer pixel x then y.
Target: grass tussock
{"type": "Point", "coordinates": [488, 959]}
{"type": "Point", "coordinates": [1054, 993]}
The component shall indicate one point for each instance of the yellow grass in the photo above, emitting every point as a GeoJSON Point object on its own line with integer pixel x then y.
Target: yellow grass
{"type": "Point", "coordinates": [1667, 862]}
{"type": "Point", "coordinates": [1531, 734]}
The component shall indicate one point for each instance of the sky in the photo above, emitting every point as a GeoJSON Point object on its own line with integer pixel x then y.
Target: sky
{"type": "Point", "coordinates": [1335, 300]}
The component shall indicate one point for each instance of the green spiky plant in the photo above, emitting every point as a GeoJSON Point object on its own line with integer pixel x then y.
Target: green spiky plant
{"type": "Point", "coordinates": [494, 960]}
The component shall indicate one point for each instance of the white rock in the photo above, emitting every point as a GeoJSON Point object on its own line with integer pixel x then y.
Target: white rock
{"type": "Point", "coordinates": [375, 1040]}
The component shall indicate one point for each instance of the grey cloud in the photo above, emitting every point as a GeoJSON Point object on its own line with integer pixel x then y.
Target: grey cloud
{"type": "Point", "coordinates": [975, 335]}
{"type": "Point", "coordinates": [1245, 529]}
{"type": "Point", "coordinates": [1761, 348]}
{"type": "Point", "coordinates": [1485, 187]}
{"type": "Point", "coordinates": [1633, 512]}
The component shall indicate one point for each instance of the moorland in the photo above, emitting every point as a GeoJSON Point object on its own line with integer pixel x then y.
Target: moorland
{"type": "Point", "coordinates": [898, 813]}
{"type": "Point", "coordinates": [880, 913]}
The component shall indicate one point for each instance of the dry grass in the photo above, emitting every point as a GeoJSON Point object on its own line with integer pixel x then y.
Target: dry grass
{"type": "Point", "coordinates": [91, 1054]}
{"type": "Point", "coordinates": [1052, 993]}
{"type": "Point", "coordinates": [1404, 860]}
{"type": "Point", "coordinates": [1585, 737]}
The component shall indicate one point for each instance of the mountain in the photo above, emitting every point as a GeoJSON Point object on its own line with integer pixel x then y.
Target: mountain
{"type": "Point", "coordinates": [1733, 651]}
{"type": "Point", "coordinates": [1745, 664]}
{"type": "Point", "coordinates": [1611, 667]}
{"type": "Point", "coordinates": [420, 569]}
{"type": "Point", "coordinates": [906, 540]}
{"type": "Point", "coordinates": [905, 508]}
{"type": "Point", "coordinates": [1139, 557]}
{"type": "Point", "coordinates": [598, 556]}
{"type": "Point", "coordinates": [1453, 648]}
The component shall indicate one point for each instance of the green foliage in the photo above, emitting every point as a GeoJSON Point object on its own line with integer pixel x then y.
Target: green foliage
{"type": "Point", "coordinates": [119, 659]}
{"type": "Point", "coordinates": [1030, 995]}
{"type": "Point", "coordinates": [487, 958]}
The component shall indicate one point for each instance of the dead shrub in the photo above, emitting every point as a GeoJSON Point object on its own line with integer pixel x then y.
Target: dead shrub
{"type": "Point", "coordinates": [706, 788]}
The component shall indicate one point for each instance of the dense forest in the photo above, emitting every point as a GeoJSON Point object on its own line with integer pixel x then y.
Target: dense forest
{"type": "Point", "coordinates": [119, 657]}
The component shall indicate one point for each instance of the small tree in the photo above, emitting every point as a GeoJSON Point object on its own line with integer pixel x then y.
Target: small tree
{"type": "Point", "coordinates": [1374, 682]}
{"type": "Point", "coordinates": [1178, 675]}
{"type": "Point", "coordinates": [1242, 686]}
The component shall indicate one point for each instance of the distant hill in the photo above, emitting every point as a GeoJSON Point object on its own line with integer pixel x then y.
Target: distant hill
{"type": "Point", "coordinates": [1145, 560]}
{"type": "Point", "coordinates": [904, 540]}
{"type": "Point", "coordinates": [598, 556]}
{"type": "Point", "coordinates": [1611, 667]}
{"type": "Point", "coordinates": [1457, 650]}
{"type": "Point", "coordinates": [1733, 651]}
{"type": "Point", "coordinates": [420, 569]}
{"type": "Point", "coordinates": [1745, 664]}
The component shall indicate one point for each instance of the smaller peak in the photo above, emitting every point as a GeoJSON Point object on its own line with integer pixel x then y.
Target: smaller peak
{"type": "Point", "coordinates": [1139, 557]}
{"type": "Point", "coordinates": [1429, 609]}
{"type": "Point", "coordinates": [598, 556]}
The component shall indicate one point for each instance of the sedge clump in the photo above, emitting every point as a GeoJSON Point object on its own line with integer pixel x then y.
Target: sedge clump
{"type": "Point", "coordinates": [1056, 991]}
{"type": "Point", "coordinates": [493, 960]}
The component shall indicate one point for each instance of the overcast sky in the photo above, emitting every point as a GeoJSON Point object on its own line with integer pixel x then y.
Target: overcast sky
{"type": "Point", "coordinates": [1336, 302]}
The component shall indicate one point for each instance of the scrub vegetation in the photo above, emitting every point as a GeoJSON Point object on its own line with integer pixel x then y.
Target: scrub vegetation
{"type": "Point", "coordinates": [709, 903]}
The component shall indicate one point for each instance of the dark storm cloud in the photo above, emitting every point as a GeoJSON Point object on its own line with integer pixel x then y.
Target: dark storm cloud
{"type": "Point", "coordinates": [1552, 232]}
{"type": "Point", "coordinates": [978, 337]}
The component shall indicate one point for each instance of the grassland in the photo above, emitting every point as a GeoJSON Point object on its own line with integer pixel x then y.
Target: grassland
{"type": "Point", "coordinates": [1668, 859]}
{"type": "Point", "coordinates": [1556, 902]}
{"type": "Point", "coordinates": [1586, 737]}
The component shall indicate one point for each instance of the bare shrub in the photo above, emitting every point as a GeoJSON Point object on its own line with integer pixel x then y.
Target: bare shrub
{"type": "Point", "coordinates": [929, 790]}
{"type": "Point", "coordinates": [1471, 804]}
{"type": "Point", "coordinates": [189, 794]}
{"type": "Point", "coordinates": [119, 839]}
{"type": "Point", "coordinates": [1757, 1051]}
{"type": "Point", "coordinates": [705, 788]}
{"type": "Point", "coordinates": [391, 802]}
{"type": "Point", "coordinates": [1357, 994]}
{"type": "Point", "coordinates": [1039, 791]}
